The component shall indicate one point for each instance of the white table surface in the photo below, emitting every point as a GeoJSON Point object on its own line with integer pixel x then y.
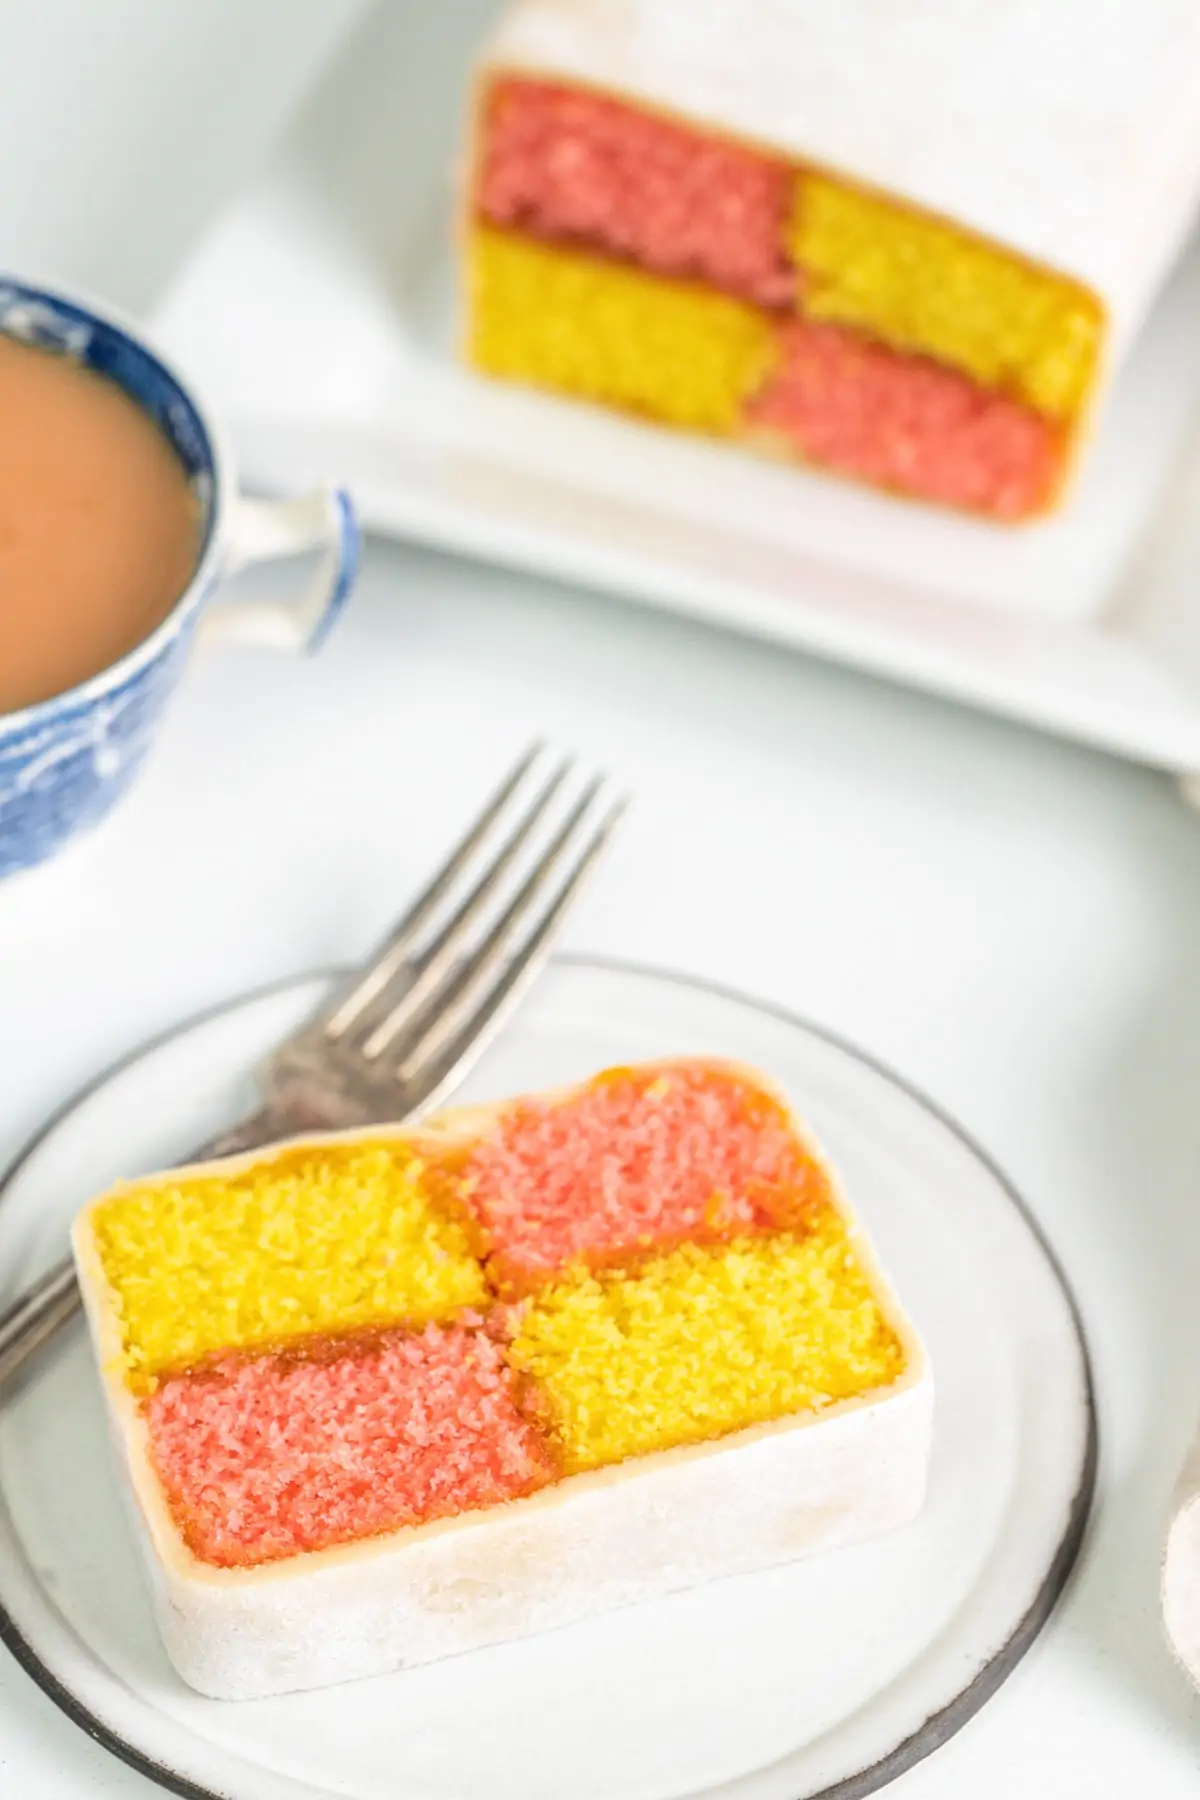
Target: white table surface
{"type": "Point", "coordinates": [1012, 922]}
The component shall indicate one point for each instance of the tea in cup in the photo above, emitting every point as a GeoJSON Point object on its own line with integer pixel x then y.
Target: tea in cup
{"type": "Point", "coordinates": [119, 516]}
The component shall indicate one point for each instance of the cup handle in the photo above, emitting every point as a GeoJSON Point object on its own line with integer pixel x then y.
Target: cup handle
{"type": "Point", "coordinates": [262, 530]}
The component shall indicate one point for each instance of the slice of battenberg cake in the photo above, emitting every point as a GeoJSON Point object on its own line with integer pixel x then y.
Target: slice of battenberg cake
{"type": "Point", "coordinates": [386, 1397]}
{"type": "Point", "coordinates": [901, 242]}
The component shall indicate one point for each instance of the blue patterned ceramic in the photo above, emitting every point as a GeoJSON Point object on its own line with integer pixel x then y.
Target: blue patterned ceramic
{"type": "Point", "coordinates": [65, 761]}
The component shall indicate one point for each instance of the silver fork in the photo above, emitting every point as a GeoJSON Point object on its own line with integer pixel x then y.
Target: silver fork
{"type": "Point", "coordinates": [403, 1028]}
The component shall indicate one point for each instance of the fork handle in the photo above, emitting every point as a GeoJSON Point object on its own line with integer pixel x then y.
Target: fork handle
{"type": "Point", "coordinates": [37, 1315]}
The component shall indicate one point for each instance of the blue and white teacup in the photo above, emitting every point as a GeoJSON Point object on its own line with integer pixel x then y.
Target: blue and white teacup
{"type": "Point", "coordinates": [65, 761]}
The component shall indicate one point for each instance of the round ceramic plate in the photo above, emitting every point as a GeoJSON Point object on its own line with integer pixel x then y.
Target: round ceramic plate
{"type": "Point", "coordinates": [825, 1678]}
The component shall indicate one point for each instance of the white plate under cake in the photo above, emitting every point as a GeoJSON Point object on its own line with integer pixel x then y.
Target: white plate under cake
{"type": "Point", "coordinates": [845, 1668]}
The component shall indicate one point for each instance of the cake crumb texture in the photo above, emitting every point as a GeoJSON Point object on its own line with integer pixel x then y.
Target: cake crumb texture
{"type": "Point", "coordinates": [272, 1455]}
{"type": "Point", "coordinates": [609, 332]}
{"type": "Point", "coordinates": [918, 283]}
{"type": "Point", "coordinates": [576, 167]}
{"type": "Point", "coordinates": [315, 1240]}
{"type": "Point", "coordinates": [342, 1340]}
{"type": "Point", "coordinates": [637, 1159]}
{"type": "Point", "coordinates": [906, 423]}
{"type": "Point", "coordinates": [701, 1341]}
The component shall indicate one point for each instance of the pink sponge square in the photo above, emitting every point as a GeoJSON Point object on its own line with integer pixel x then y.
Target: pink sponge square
{"type": "Point", "coordinates": [565, 164]}
{"type": "Point", "coordinates": [636, 1161]}
{"type": "Point", "coordinates": [906, 423]}
{"type": "Point", "coordinates": [265, 1456]}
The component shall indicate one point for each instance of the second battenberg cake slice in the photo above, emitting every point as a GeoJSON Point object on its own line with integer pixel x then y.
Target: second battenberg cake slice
{"type": "Point", "coordinates": [384, 1398]}
{"type": "Point", "coordinates": [904, 243]}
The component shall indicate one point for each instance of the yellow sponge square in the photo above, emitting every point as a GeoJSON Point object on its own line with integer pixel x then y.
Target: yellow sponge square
{"type": "Point", "coordinates": [330, 1239]}
{"type": "Point", "coordinates": [608, 332]}
{"type": "Point", "coordinates": [700, 1341]}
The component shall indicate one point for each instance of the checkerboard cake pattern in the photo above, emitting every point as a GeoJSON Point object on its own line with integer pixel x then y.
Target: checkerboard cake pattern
{"type": "Point", "coordinates": [339, 1340]}
{"type": "Point", "coordinates": [668, 269]}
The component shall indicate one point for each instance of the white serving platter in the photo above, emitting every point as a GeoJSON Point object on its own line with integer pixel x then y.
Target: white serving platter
{"type": "Point", "coordinates": [319, 310]}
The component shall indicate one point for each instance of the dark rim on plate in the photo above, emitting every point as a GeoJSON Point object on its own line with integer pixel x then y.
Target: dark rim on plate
{"type": "Point", "coordinates": [941, 1725]}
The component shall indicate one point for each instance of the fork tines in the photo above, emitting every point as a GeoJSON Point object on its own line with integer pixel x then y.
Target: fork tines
{"type": "Point", "coordinates": [446, 976]}
{"type": "Point", "coordinates": [410, 1021]}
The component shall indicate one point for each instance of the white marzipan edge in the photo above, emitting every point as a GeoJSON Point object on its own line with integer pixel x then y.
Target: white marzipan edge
{"type": "Point", "coordinates": [658, 1523]}
{"type": "Point", "coordinates": [1066, 132]}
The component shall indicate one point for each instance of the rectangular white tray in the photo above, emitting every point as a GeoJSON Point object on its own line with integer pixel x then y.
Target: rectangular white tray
{"type": "Point", "coordinates": [320, 311]}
